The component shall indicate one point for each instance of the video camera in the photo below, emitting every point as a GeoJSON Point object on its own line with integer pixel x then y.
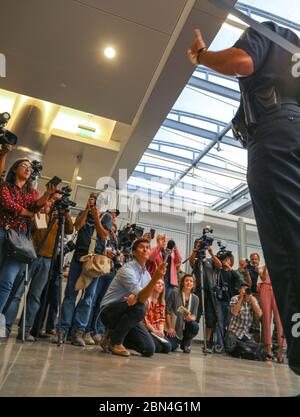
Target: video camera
{"type": "Point", "coordinates": [64, 202]}
{"type": "Point", "coordinates": [129, 234]}
{"type": "Point", "coordinates": [223, 252]}
{"type": "Point", "coordinates": [206, 239]}
{"type": "Point", "coordinates": [6, 137]}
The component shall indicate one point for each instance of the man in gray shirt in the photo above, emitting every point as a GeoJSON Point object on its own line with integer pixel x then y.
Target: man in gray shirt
{"type": "Point", "coordinates": [123, 307]}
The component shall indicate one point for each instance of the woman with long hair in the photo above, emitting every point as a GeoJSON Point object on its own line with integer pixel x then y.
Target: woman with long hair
{"type": "Point", "coordinates": [184, 305]}
{"type": "Point", "coordinates": [18, 204]}
{"type": "Point", "coordinates": [155, 318]}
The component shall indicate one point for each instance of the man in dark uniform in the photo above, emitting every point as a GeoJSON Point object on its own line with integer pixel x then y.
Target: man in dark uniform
{"type": "Point", "coordinates": [268, 82]}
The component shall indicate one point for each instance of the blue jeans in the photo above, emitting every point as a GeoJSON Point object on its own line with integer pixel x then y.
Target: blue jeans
{"type": "Point", "coordinates": [38, 275]}
{"type": "Point", "coordinates": [95, 324]}
{"type": "Point", "coordinates": [9, 270]}
{"type": "Point", "coordinates": [53, 299]}
{"type": "Point", "coordinates": [2, 240]}
{"type": "Point", "coordinates": [224, 314]}
{"type": "Point", "coordinates": [82, 314]}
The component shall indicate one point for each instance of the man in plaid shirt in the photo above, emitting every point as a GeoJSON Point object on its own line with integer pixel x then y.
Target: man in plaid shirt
{"type": "Point", "coordinates": [243, 308]}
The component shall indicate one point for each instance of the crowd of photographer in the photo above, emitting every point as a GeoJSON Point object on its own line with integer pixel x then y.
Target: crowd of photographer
{"type": "Point", "coordinates": [132, 296]}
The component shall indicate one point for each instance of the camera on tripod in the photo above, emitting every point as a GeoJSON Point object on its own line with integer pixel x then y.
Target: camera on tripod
{"type": "Point", "coordinates": [223, 252]}
{"type": "Point", "coordinates": [6, 137]}
{"type": "Point", "coordinates": [206, 239]}
{"type": "Point", "coordinates": [64, 202]}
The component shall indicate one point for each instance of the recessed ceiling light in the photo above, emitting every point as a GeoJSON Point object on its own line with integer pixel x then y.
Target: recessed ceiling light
{"type": "Point", "coordinates": [79, 178]}
{"type": "Point", "coordinates": [109, 52]}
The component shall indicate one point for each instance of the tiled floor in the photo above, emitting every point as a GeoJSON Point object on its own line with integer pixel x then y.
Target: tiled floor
{"type": "Point", "coordinates": [43, 369]}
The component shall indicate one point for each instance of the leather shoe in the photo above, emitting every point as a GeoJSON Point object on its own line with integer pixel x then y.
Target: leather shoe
{"type": "Point", "coordinates": [119, 350]}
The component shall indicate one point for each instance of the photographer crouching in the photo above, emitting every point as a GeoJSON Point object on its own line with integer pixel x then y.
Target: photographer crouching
{"type": "Point", "coordinates": [238, 341]}
{"type": "Point", "coordinates": [210, 265]}
{"type": "Point", "coordinates": [18, 204]}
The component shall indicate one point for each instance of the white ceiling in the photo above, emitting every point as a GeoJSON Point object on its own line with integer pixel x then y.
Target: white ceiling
{"type": "Point", "coordinates": [53, 51]}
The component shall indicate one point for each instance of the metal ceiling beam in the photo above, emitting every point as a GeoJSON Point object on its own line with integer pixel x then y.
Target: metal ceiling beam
{"type": "Point", "coordinates": [201, 165]}
{"type": "Point", "coordinates": [186, 186]}
{"type": "Point", "coordinates": [172, 197]}
{"type": "Point", "coordinates": [267, 15]}
{"type": "Point", "coordinates": [218, 137]}
{"type": "Point", "coordinates": [215, 88]}
{"type": "Point", "coordinates": [197, 131]}
{"type": "Point", "coordinates": [196, 151]}
{"type": "Point", "coordinates": [236, 196]}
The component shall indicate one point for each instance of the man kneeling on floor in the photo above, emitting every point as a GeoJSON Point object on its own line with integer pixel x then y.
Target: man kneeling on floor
{"type": "Point", "coordinates": [123, 307]}
{"type": "Point", "coordinates": [238, 341]}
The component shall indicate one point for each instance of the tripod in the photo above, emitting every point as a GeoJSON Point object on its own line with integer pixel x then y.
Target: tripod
{"type": "Point", "coordinates": [200, 265]}
{"type": "Point", "coordinates": [57, 255]}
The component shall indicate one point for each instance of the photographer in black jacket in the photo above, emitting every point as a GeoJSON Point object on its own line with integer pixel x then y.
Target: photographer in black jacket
{"type": "Point", "coordinates": [227, 286]}
{"type": "Point", "coordinates": [210, 266]}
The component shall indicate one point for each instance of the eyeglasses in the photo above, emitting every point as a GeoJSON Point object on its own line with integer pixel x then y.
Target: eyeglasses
{"type": "Point", "coordinates": [25, 166]}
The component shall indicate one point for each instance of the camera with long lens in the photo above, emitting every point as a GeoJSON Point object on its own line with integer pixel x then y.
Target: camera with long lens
{"type": "Point", "coordinates": [69, 247]}
{"type": "Point", "coordinates": [64, 202]}
{"type": "Point", "coordinates": [36, 167]}
{"type": "Point", "coordinates": [223, 252]}
{"type": "Point", "coordinates": [6, 137]}
{"type": "Point", "coordinates": [117, 261]}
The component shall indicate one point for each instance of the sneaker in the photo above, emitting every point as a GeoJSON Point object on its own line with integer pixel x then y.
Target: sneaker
{"type": "Point", "coordinates": [89, 339]}
{"type": "Point", "coordinates": [219, 349]}
{"type": "Point", "coordinates": [54, 338]}
{"type": "Point", "coordinates": [27, 337]}
{"type": "Point", "coordinates": [119, 350]}
{"type": "Point", "coordinates": [78, 338]}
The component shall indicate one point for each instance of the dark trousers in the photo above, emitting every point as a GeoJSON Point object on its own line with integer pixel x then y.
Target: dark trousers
{"type": "Point", "coordinates": [190, 331]}
{"type": "Point", "coordinates": [161, 347]}
{"type": "Point", "coordinates": [274, 183]}
{"type": "Point", "coordinates": [125, 327]}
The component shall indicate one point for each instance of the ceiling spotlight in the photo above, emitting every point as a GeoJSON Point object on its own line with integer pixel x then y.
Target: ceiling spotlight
{"type": "Point", "coordinates": [109, 52]}
{"type": "Point", "coordinates": [79, 178]}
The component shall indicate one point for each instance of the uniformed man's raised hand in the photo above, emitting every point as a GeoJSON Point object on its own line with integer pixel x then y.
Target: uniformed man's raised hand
{"type": "Point", "coordinates": [196, 46]}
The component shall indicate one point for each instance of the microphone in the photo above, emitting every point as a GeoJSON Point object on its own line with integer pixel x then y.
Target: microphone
{"type": "Point", "coordinates": [168, 251]}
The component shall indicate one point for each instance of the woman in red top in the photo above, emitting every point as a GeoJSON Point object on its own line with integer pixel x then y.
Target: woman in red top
{"type": "Point", "coordinates": [155, 318]}
{"type": "Point", "coordinates": [18, 203]}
